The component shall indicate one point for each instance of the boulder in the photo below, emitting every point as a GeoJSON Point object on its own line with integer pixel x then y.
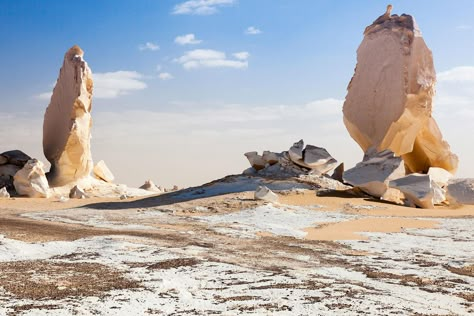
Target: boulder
{"type": "Point", "coordinates": [439, 194]}
{"type": "Point", "coordinates": [417, 188]}
{"type": "Point", "coordinates": [461, 191]}
{"type": "Point", "coordinates": [150, 186]}
{"type": "Point", "coordinates": [77, 193]}
{"type": "Point", "coordinates": [256, 161]}
{"type": "Point", "coordinates": [338, 172]}
{"type": "Point", "coordinates": [102, 172]}
{"type": "Point", "coordinates": [440, 176]}
{"type": "Point", "coordinates": [31, 180]}
{"type": "Point", "coordinates": [315, 158]}
{"type": "Point", "coordinates": [265, 194]}
{"type": "Point", "coordinates": [4, 193]}
{"type": "Point", "coordinates": [296, 151]}
{"type": "Point", "coordinates": [14, 157]}
{"type": "Point", "coordinates": [270, 157]}
{"type": "Point", "coordinates": [67, 122]}
{"type": "Point", "coordinates": [9, 170]}
{"type": "Point", "coordinates": [373, 174]}
{"type": "Point", "coordinates": [389, 99]}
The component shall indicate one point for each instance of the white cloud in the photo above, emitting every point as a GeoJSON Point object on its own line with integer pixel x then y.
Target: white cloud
{"type": "Point", "coordinates": [464, 27]}
{"type": "Point", "coordinates": [462, 73]}
{"type": "Point", "coordinates": [110, 85]}
{"type": "Point", "coordinates": [241, 55]}
{"type": "Point", "coordinates": [188, 39]}
{"type": "Point", "coordinates": [165, 76]}
{"type": "Point", "coordinates": [44, 96]}
{"type": "Point", "coordinates": [200, 7]}
{"type": "Point", "coordinates": [252, 30]}
{"type": "Point", "coordinates": [208, 58]}
{"type": "Point", "coordinates": [148, 46]}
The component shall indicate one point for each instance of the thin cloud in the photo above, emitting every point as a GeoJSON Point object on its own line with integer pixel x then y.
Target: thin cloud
{"type": "Point", "coordinates": [165, 76]}
{"type": "Point", "coordinates": [241, 55]}
{"type": "Point", "coordinates": [44, 96]}
{"type": "Point", "coordinates": [201, 7]}
{"type": "Point", "coordinates": [148, 46]}
{"type": "Point", "coordinates": [188, 39]}
{"type": "Point", "coordinates": [462, 73]}
{"type": "Point", "coordinates": [252, 30]}
{"type": "Point", "coordinates": [464, 27]}
{"type": "Point", "coordinates": [209, 58]}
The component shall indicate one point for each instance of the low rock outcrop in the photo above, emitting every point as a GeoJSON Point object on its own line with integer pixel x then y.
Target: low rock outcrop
{"type": "Point", "coordinates": [77, 193]}
{"type": "Point", "coordinates": [4, 193]}
{"type": "Point", "coordinates": [67, 122]}
{"type": "Point", "coordinates": [461, 191]}
{"type": "Point", "coordinates": [298, 160]}
{"type": "Point", "coordinates": [102, 172]}
{"type": "Point", "coordinates": [373, 174]}
{"type": "Point", "coordinates": [31, 180]}
{"type": "Point", "coordinates": [265, 194]}
{"type": "Point", "coordinates": [417, 188]}
{"type": "Point", "coordinates": [150, 186]}
{"type": "Point", "coordinates": [10, 163]}
{"type": "Point", "coordinates": [389, 99]}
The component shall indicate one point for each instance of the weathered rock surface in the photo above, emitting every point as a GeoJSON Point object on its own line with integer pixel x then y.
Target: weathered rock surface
{"type": "Point", "coordinates": [315, 158]}
{"type": "Point", "coordinates": [440, 176]}
{"type": "Point", "coordinates": [338, 173]}
{"type": "Point", "coordinates": [102, 172]}
{"type": "Point", "coordinates": [373, 174]}
{"type": "Point", "coordinates": [4, 193]}
{"type": "Point", "coordinates": [389, 99]}
{"type": "Point", "coordinates": [77, 193]}
{"type": "Point", "coordinates": [9, 170]}
{"type": "Point", "coordinates": [417, 188]}
{"type": "Point", "coordinates": [150, 186]}
{"type": "Point", "coordinates": [67, 122]}
{"type": "Point", "coordinates": [14, 157]}
{"type": "Point", "coordinates": [31, 180]}
{"type": "Point", "coordinates": [461, 191]}
{"type": "Point", "coordinates": [265, 194]}
{"type": "Point", "coordinates": [256, 161]}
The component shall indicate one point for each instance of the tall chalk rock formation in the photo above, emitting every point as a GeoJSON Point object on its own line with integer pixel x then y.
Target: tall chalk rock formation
{"type": "Point", "coordinates": [67, 122]}
{"type": "Point", "coordinates": [389, 99]}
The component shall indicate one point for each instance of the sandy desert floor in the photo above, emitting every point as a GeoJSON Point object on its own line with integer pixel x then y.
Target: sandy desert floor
{"type": "Point", "coordinates": [214, 250]}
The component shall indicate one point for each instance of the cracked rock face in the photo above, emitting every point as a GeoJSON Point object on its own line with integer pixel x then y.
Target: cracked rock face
{"type": "Point", "coordinates": [67, 122]}
{"type": "Point", "coordinates": [389, 99]}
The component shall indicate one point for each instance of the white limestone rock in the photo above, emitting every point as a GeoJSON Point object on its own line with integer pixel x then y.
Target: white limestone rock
{"type": "Point", "coordinates": [312, 157]}
{"type": "Point", "coordinates": [77, 193]}
{"type": "Point", "coordinates": [4, 193]}
{"type": "Point", "coordinates": [461, 191]}
{"type": "Point", "coordinates": [256, 161]}
{"type": "Point", "coordinates": [417, 188]}
{"type": "Point", "coordinates": [373, 174]}
{"type": "Point", "coordinates": [439, 194]}
{"type": "Point", "coordinates": [31, 180]}
{"type": "Point", "coordinates": [296, 151]}
{"type": "Point", "coordinates": [389, 99]}
{"type": "Point", "coordinates": [440, 176]}
{"type": "Point", "coordinates": [102, 172]}
{"type": "Point", "coordinates": [67, 122]}
{"type": "Point", "coordinates": [150, 186]}
{"type": "Point", "coordinates": [265, 194]}
{"type": "Point", "coordinates": [270, 157]}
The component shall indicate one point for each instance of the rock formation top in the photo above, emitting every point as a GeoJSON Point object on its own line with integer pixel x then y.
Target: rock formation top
{"type": "Point", "coordinates": [67, 121]}
{"type": "Point", "coordinates": [389, 99]}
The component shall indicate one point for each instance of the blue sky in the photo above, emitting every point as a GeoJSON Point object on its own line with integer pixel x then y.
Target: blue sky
{"type": "Point", "coordinates": [220, 70]}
